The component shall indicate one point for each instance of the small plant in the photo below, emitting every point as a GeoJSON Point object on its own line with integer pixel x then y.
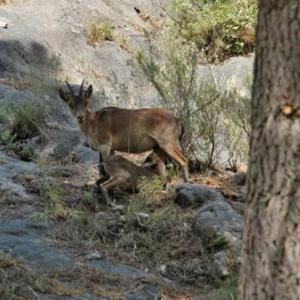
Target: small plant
{"type": "Point", "coordinates": [88, 198]}
{"type": "Point", "coordinates": [9, 139]}
{"type": "Point", "coordinates": [123, 43]}
{"type": "Point", "coordinates": [25, 119]}
{"type": "Point", "coordinates": [227, 290]}
{"type": "Point", "coordinates": [150, 189]}
{"type": "Point", "coordinates": [150, 194]}
{"type": "Point", "coordinates": [26, 152]}
{"type": "Point", "coordinates": [96, 33]}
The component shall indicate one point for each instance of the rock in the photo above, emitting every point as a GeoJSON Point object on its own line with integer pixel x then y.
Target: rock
{"type": "Point", "coordinates": [117, 269]}
{"type": "Point", "coordinates": [10, 168]}
{"type": "Point", "coordinates": [29, 242]}
{"type": "Point", "coordinates": [95, 254]}
{"type": "Point", "coordinates": [218, 221]}
{"type": "Point", "coordinates": [26, 240]}
{"type": "Point", "coordinates": [162, 269]}
{"type": "Point", "coordinates": [64, 143]}
{"type": "Point", "coordinates": [221, 264]}
{"type": "Point", "coordinates": [85, 155]}
{"type": "Point", "coordinates": [147, 292]}
{"type": "Point", "coordinates": [195, 195]}
{"type": "Point", "coordinates": [233, 73]}
{"type": "Point", "coordinates": [238, 206]}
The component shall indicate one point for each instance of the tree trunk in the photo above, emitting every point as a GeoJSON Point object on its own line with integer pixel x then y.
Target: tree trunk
{"type": "Point", "coordinates": [271, 252]}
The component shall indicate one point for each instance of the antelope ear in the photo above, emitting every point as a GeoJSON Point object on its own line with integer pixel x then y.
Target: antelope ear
{"type": "Point", "coordinates": [88, 92]}
{"type": "Point", "coordinates": [62, 95]}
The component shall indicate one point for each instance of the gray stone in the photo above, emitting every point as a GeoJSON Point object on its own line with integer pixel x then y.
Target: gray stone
{"type": "Point", "coordinates": [10, 168]}
{"type": "Point", "coordinates": [217, 220]}
{"type": "Point", "coordinates": [238, 206]}
{"type": "Point", "coordinates": [84, 296]}
{"type": "Point", "coordinates": [28, 241]}
{"type": "Point", "coordinates": [117, 269]}
{"type": "Point", "coordinates": [195, 195]}
{"type": "Point", "coordinates": [233, 73]}
{"type": "Point", "coordinates": [147, 292]}
{"type": "Point", "coordinates": [221, 264]}
{"type": "Point", "coordinates": [85, 155]}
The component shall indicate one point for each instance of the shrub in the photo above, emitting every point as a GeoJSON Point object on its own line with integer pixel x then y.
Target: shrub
{"type": "Point", "coordinates": [24, 120]}
{"type": "Point", "coordinates": [199, 104]}
{"type": "Point", "coordinates": [8, 139]}
{"type": "Point", "coordinates": [96, 33]}
{"type": "Point", "coordinates": [220, 28]}
{"type": "Point", "coordinates": [182, 93]}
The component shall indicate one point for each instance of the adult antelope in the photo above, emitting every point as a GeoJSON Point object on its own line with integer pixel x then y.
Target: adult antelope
{"type": "Point", "coordinates": [126, 130]}
{"type": "Point", "coordinates": [125, 174]}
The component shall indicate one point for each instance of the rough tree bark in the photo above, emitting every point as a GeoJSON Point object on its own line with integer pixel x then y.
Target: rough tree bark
{"type": "Point", "coordinates": [271, 252]}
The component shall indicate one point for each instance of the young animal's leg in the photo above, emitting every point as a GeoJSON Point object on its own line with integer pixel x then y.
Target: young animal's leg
{"type": "Point", "coordinates": [104, 192]}
{"type": "Point", "coordinates": [108, 184]}
{"type": "Point", "coordinates": [104, 152]}
{"type": "Point", "coordinates": [160, 165]}
{"type": "Point", "coordinates": [103, 176]}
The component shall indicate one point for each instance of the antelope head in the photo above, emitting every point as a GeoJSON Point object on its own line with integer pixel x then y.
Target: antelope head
{"type": "Point", "coordinates": [78, 103]}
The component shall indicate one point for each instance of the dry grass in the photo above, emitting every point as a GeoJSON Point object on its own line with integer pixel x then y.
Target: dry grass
{"type": "Point", "coordinates": [146, 230]}
{"type": "Point", "coordinates": [18, 281]}
{"type": "Point", "coordinates": [97, 33]}
{"type": "Point", "coordinates": [17, 84]}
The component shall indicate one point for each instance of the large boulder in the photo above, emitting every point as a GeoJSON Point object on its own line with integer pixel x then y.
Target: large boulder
{"type": "Point", "coordinates": [195, 195]}
{"type": "Point", "coordinates": [218, 222]}
{"type": "Point", "coordinates": [10, 168]}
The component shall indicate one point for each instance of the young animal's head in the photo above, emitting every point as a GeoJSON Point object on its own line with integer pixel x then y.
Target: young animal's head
{"type": "Point", "coordinates": [78, 103]}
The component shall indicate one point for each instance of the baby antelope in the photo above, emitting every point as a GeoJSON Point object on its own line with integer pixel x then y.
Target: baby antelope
{"type": "Point", "coordinates": [125, 174]}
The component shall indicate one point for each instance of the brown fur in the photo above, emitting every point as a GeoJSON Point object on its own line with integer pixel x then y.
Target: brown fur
{"type": "Point", "coordinates": [127, 130]}
{"type": "Point", "coordinates": [125, 174]}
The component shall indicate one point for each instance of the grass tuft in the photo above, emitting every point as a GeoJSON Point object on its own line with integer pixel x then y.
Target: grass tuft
{"type": "Point", "coordinates": [97, 33]}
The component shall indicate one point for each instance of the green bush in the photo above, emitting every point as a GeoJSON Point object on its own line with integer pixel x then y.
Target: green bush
{"type": "Point", "coordinates": [8, 139]}
{"type": "Point", "coordinates": [181, 91]}
{"type": "Point", "coordinates": [24, 120]}
{"type": "Point", "coordinates": [198, 103]}
{"type": "Point", "coordinates": [220, 28]}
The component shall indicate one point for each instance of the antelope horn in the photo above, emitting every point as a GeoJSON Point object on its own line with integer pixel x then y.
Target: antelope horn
{"type": "Point", "coordinates": [81, 88]}
{"type": "Point", "coordinates": [69, 87]}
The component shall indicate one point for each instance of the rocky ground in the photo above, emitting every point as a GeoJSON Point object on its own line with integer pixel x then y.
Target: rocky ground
{"type": "Point", "coordinates": [58, 240]}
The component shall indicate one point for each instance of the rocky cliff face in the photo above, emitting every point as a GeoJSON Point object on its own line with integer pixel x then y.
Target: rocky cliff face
{"type": "Point", "coordinates": [43, 40]}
